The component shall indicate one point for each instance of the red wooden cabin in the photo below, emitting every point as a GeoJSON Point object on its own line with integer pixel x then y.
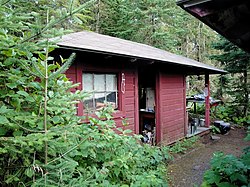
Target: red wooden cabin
{"type": "Point", "coordinates": [144, 84]}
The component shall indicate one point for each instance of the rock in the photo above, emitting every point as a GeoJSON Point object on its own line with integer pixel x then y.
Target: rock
{"type": "Point", "coordinates": [196, 167]}
{"type": "Point", "coordinates": [215, 137]}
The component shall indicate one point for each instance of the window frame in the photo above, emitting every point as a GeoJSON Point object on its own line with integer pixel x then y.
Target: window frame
{"type": "Point", "coordinates": [105, 90]}
{"type": "Point", "coordinates": [119, 112]}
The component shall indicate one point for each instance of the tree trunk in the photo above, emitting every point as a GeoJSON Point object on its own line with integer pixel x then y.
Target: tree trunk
{"type": "Point", "coordinates": [246, 92]}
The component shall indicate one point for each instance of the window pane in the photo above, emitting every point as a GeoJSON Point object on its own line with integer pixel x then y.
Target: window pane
{"type": "Point", "coordinates": [112, 99]}
{"type": "Point", "coordinates": [88, 102]}
{"type": "Point", "coordinates": [100, 95]}
{"type": "Point", "coordinates": [99, 100]}
{"type": "Point", "coordinates": [111, 82]}
{"type": "Point", "coordinates": [88, 81]}
{"type": "Point", "coordinates": [99, 82]}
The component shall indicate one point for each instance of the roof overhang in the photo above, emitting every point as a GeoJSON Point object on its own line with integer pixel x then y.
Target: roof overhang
{"type": "Point", "coordinates": [98, 43]}
{"type": "Point", "coordinates": [230, 18]}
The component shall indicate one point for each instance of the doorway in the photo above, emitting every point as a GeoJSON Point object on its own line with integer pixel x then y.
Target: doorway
{"type": "Point", "coordinates": [147, 105]}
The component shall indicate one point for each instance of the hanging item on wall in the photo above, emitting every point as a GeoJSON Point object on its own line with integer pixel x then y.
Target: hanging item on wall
{"type": "Point", "coordinates": [123, 83]}
{"type": "Point", "coordinates": [150, 99]}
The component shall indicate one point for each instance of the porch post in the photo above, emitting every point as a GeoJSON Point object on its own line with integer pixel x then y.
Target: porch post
{"type": "Point", "coordinates": [207, 102]}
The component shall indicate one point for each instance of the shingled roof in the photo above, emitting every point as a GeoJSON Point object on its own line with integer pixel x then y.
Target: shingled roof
{"type": "Point", "coordinates": [94, 42]}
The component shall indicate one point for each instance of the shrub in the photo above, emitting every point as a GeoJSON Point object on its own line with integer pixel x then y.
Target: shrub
{"type": "Point", "coordinates": [228, 170]}
{"type": "Point", "coordinates": [231, 114]}
{"type": "Point", "coordinates": [42, 140]}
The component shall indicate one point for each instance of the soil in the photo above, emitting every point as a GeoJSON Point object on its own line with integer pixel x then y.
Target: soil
{"type": "Point", "coordinates": [187, 170]}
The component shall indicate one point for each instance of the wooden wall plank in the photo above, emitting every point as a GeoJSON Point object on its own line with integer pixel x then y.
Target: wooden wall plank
{"type": "Point", "coordinates": [172, 107]}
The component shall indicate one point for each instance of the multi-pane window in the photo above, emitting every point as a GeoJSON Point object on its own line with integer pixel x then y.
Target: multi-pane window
{"type": "Point", "coordinates": [102, 90]}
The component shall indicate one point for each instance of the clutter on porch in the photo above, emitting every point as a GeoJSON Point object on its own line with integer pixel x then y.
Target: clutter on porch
{"type": "Point", "coordinates": [196, 112]}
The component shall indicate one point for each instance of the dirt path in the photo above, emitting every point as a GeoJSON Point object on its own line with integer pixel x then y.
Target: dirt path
{"type": "Point", "coordinates": [187, 170]}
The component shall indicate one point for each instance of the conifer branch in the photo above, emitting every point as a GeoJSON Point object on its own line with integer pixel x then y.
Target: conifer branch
{"type": "Point", "coordinates": [29, 130]}
{"type": "Point", "coordinates": [4, 3]}
{"type": "Point", "coordinates": [38, 70]}
{"type": "Point", "coordinates": [29, 70]}
{"type": "Point", "coordinates": [64, 67]}
{"type": "Point", "coordinates": [46, 98]}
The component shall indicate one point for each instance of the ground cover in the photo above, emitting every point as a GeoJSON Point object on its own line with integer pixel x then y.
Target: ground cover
{"type": "Point", "coordinates": [187, 170]}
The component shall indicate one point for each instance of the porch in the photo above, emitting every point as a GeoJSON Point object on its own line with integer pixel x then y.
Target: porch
{"type": "Point", "coordinates": [199, 131]}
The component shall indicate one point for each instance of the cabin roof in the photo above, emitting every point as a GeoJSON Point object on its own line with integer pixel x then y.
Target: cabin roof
{"type": "Point", "coordinates": [98, 43]}
{"type": "Point", "coordinates": [230, 18]}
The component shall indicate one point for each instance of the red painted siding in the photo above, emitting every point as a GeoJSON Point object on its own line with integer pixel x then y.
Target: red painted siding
{"type": "Point", "coordinates": [128, 101]}
{"type": "Point", "coordinates": [71, 73]}
{"type": "Point", "coordinates": [172, 107]}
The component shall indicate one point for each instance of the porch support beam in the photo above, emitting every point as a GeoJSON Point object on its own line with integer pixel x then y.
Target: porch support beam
{"type": "Point", "coordinates": [207, 102]}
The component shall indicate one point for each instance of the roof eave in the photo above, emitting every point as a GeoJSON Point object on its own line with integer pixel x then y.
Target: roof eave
{"type": "Point", "coordinates": [235, 26]}
{"type": "Point", "coordinates": [205, 70]}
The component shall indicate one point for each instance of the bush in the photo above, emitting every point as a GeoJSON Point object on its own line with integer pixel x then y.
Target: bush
{"type": "Point", "coordinates": [231, 114]}
{"type": "Point", "coordinates": [85, 155]}
{"type": "Point", "coordinates": [228, 170]}
{"type": "Point", "coordinates": [42, 140]}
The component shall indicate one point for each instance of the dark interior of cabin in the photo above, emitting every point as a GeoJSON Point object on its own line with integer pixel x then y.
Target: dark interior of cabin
{"type": "Point", "coordinates": [147, 80]}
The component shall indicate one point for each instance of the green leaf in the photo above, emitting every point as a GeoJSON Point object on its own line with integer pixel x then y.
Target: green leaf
{"type": "Point", "coordinates": [9, 61]}
{"type": "Point", "coordinates": [238, 176]}
{"type": "Point", "coordinates": [3, 150]}
{"type": "Point", "coordinates": [16, 103]}
{"type": "Point", "coordinates": [205, 184]}
{"type": "Point", "coordinates": [29, 172]}
{"type": "Point", "coordinates": [12, 85]}
{"type": "Point", "coordinates": [2, 131]}
{"type": "Point", "coordinates": [56, 119]}
{"type": "Point", "coordinates": [52, 67]}
{"type": "Point", "coordinates": [4, 110]}
{"type": "Point", "coordinates": [212, 178]}
{"type": "Point", "coordinates": [23, 93]}
{"type": "Point", "coordinates": [51, 94]}
{"type": "Point", "coordinates": [50, 58]}
{"type": "Point", "coordinates": [35, 85]}
{"type": "Point", "coordinates": [127, 131]}
{"type": "Point", "coordinates": [29, 98]}
{"type": "Point", "coordinates": [42, 56]}
{"type": "Point", "coordinates": [18, 133]}
{"type": "Point", "coordinates": [3, 120]}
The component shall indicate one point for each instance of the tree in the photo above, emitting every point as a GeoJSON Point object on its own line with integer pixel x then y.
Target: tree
{"type": "Point", "coordinates": [237, 63]}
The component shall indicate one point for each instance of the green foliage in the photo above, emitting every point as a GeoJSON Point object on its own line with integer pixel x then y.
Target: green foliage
{"type": "Point", "coordinates": [235, 85]}
{"type": "Point", "coordinates": [155, 22]}
{"type": "Point", "coordinates": [42, 140]}
{"type": "Point", "coordinates": [248, 133]}
{"type": "Point", "coordinates": [183, 145]}
{"type": "Point", "coordinates": [231, 114]}
{"type": "Point", "coordinates": [215, 130]}
{"type": "Point", "coordinates": [93, 154]}
{"type": "Point", "coordinates": [227, 170]}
